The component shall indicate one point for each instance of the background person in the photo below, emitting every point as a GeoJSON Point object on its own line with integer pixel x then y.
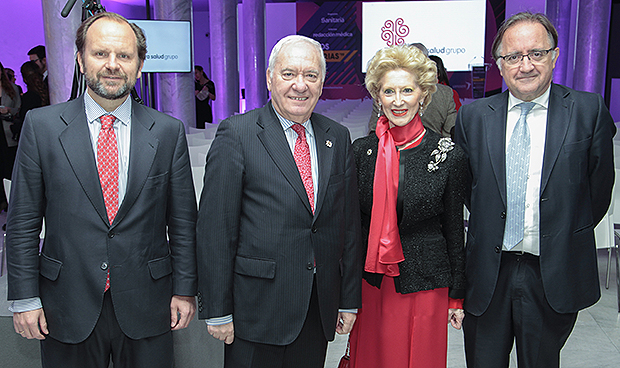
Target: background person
{"type": "Point", "coordinates": [205, 93]}
{"type": "Point", "coordinates": [411, 184]}
{"type": "Point", "coordinates": [37, 94]}
{"type": "Point", "coordinates": [10, 103]}
{"type": "Point", "coordinates": [37, 54]}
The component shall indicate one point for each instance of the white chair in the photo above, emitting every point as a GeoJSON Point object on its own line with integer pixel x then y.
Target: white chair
{"type": "Point", "coordinates": [192, 130]}
{"type": "Point", "coordinates": [198, 173]}
{"type": "Point", "coordinates": [191, 137]}
{"type": "Point", "coordinates": [199, 142]}
{"type": "Point", "coordinates": [198, 155]}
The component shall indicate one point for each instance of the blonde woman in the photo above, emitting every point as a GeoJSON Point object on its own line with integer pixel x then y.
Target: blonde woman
{"type": "Point", "coordinates": [411, 185]}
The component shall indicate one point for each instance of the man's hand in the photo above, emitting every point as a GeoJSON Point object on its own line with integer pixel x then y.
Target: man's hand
{"type": "Point", "coordinates": [31, 324]}
{"type": "Point", "coordinates": [182, 310]}
{"type": "Point", "coordinates": [345, 322]}
{"type": "Point", "coordinates": [224, 333]}
{"type": "Point", "coordinates": [455, 317]}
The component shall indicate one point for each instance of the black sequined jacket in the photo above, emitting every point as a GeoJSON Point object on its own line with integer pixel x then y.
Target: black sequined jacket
{"type": "Point", "coordinates": [430, 212]}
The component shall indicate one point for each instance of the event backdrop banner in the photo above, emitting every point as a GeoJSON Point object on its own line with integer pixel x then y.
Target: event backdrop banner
{"type": "Point", "coordinates": [336, 25]}
{"type": "Point", "coordinates": [452, 30]}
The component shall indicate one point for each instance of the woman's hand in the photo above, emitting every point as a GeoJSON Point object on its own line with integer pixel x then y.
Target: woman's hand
{"type": "Point", "coordinates": [455, 317]}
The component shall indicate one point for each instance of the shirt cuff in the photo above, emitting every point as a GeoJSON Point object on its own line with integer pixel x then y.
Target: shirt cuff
{"type": "Point", "coordinates": [25, 305]}
{"type": "Point", "coordinates": [218, 321]}
{"type": "Point", "coordinates": [354, 311]}
{"type": "Point", "coordinates": [455, 303]}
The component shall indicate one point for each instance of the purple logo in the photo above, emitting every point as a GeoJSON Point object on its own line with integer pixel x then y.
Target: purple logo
{"type": "Point", "coordinates": [394, 33]}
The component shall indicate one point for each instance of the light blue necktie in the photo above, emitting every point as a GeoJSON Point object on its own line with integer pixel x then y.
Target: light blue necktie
{"type": "Point", "coordinates": [517, 167]}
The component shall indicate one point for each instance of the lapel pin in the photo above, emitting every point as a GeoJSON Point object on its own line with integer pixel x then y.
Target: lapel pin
{"type": "Point", "coordinates": [328, 143]}
{"type": "Point", "coordinates": [369, 152]}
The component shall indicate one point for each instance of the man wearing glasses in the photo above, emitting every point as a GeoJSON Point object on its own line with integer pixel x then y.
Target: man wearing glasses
{"type": "Point", "coordinates": [541, 176]}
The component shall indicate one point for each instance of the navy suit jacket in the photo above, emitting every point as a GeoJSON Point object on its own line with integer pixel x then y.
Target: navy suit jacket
{"type": "Point", "coordinates": [575, 192]}
{"type": "Point", "coordinates": [56, 177]}
{"type": "Point", "coordinates": [257, 238]}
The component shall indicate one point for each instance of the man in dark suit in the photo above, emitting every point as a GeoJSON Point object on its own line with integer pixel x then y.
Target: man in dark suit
{"type": "Point", "coordinates": [278, 234]}
{"type": "Point", "coordinates": [112, 179]}
{"type": "Point", "coordinates": [37, 54]}
{"type": "Point", "coordinates": [541, 176]}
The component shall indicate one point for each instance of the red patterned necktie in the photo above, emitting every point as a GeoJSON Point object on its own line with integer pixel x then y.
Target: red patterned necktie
{"type": "Point", "coordinates": [107, 165]}
{"type": "Point", "coordinates": [302, 159]}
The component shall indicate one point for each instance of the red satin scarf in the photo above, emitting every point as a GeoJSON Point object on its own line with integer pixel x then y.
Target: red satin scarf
{"type": "Point", "coordinates": [384, 248]}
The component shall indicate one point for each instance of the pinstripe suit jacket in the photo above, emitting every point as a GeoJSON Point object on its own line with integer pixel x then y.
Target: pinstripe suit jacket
{"type": "Point", "coordinates": [258, 239]}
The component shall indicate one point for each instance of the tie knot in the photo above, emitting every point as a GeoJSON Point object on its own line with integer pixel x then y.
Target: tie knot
{"type": "Point", "coordinates": [107, 121]}
{"type": "Point", "coordinates": [526, 107]}
{"type": "Point", "coordinates": [299, 129]}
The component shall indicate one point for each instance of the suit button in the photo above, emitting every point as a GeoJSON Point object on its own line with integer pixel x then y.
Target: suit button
{"type": "Point", "coordinates": [497, 249]}
{"type": "Point", "coordinates": [503, 215]}
{"type": "Point", "coordinates": [111, 235]}
{"type": "Point", "coordinates": [314, 229]}
{"type": "Point", "coordinates": [309, 266]}
{"type": "Point", "coordinates": [104, 266]}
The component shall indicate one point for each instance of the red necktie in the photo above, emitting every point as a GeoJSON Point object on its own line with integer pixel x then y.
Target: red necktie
{"type": "Point", "coordinates": [107, 165]}
{"type": "Point", "coordinates": [302, 159]}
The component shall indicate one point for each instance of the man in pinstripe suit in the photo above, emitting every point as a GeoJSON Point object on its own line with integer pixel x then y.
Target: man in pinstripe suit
{"type": "Point", "coordinates": [279, 251]}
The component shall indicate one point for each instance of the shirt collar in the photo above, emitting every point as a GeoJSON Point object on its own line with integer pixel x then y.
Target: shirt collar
{"type": "Point", "coordinates": [94, 110]}
{"type": "Point", "coordinates": [286, 124]}
{"type": "Point", "coordinates": [542, 100]}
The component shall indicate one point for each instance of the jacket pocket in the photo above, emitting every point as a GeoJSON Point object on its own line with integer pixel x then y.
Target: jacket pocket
{"type": "Point", "coordinates": [263, 268]}
{"type": "Point", "coordinates": [156, 181]}
{"type": "Point", "coordinates": [160, 267]}
{"type": "Point", "coordinates": [49, 267]}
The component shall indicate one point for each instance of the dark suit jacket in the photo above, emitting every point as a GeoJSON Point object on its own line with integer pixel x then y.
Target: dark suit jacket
{"type": "Point", "coordinates": [575, 192]}
{"type": "Point", "coordinates": [56, 177]}
{"type": "Point", "coordinates": [431, 218]}
{"type": "Point", "coordinates": [257, 239]}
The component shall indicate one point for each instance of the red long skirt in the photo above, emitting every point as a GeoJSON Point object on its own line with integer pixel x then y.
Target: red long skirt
{"type": "Point", "coordinates": [395, 330]}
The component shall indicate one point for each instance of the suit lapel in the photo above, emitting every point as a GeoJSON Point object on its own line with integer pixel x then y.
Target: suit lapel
{"type": "Point", "coordinates": [325, 153]}
{"type": "Point", "coordinates": [76, 143]}
{"type": "Point", "coordinates": [143, 148]}
{"type": "Point", "coordinates": [495, 128]}
{"type": "Point", "coordinates": [273, 139]}
{"type": "Point", "coordinates": [558, 118]}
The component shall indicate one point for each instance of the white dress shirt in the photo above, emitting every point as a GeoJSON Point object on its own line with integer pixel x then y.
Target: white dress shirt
{"type": "Point", "coordinates": [537, 124]}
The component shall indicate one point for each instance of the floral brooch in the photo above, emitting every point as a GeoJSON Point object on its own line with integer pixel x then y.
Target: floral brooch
{"type": "Point", "coordinates": [440, 154]}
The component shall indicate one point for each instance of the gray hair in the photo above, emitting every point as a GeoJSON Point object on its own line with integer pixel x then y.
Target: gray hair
{"type": "Point", "coordinates": [292, 39]}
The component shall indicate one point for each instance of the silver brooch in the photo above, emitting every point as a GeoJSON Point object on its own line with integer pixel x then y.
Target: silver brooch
{"type": "Point", "coordinates": [328, 143]}
{"type": "Point", "coordinates": [440, 154]}
{"type": "Point", "coordinates": [369, 152]}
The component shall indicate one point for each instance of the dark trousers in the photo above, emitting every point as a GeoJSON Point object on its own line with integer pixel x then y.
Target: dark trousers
{"type": "Point", "coordinates": [307, 351]}
{"type": "Point", "coordinates": [518, 310]}
{"type": "Point", "coordinates": [108, 341]}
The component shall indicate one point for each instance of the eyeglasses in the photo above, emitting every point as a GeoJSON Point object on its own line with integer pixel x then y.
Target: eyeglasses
{"type": "Point", "coordinates": [535, 56]}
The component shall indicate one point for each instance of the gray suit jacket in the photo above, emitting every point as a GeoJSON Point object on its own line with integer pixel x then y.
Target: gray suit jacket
{"type": "Point", "coordinates": [258, 239]}
{"type": "Point", "coordinates": [56, 177]}
{"type": "Point", "coordinates": [575, 192]}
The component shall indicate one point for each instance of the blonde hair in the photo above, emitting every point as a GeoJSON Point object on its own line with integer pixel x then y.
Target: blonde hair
{"type": "Point", "coordinates": [407, 58]}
